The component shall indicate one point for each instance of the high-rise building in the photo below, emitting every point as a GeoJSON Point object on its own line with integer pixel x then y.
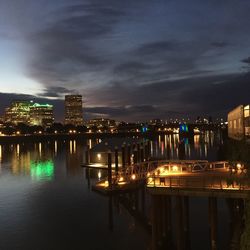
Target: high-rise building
{"type": "Point", "coordinates": [239, 122]}
{"type": "Point", "coordinates": [73, 110]}
{"type": "Point", "coordinates": [41, 115]}
{"type": "Point", "coordinates": [18, 112]}
{"type": "Point", "coordinates": [29, 113]}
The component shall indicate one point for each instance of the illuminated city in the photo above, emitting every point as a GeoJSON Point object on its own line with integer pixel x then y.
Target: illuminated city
{"type": "Point", "coordinates": [124, 125]}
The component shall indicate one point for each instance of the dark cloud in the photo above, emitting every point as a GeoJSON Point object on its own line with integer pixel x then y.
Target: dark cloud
{"type": "Point", "coordinates": [156, 48]}
{"type": "Point", "coordinates": [62, 51]}
{"type": "Point", "coordinates": [246, 60]}
{"type": "Point", "coordinates": [56, 92]}
{"type": "Point", "coordinates": [135, 113]}
{"type": "Point", "coordinates": [131, 67]}
{"type": "Point", "coordinates": [219, 44]}
{"type": "Point", "coordinates": [214, 95]}
{"type": "Point", "coordinates": [220, 95]}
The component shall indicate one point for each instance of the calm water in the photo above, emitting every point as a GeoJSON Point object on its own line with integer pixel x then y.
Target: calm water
{"type": "Point", "coordinates": [46, 201]}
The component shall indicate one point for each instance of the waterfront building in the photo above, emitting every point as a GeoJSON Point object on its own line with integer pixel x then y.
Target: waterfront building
{"type": "Point", "coordinates": [73, 110]}
{"type": "Point", "coordinates": [29, 113]}
{"type": "Point", "coordinates": [102, 125]}
{"type": "Point", "coordinates": [18, 112]}
{"type": "Point", "coordinates": [239, 122]}
{"type": "Point", "coordinates": [41, 115]}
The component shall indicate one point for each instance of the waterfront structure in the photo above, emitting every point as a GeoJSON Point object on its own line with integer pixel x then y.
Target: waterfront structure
{"type": "Point", "coordinates": [41, 115]}
{"type": "Point", "coordinates": [239, 122]}
{"type": "Point", "coordinates": [18, 112]}
{"type": "Point", "coordinates": [101, 125]}
{"type": "Point", "coordinates": [73, 110]}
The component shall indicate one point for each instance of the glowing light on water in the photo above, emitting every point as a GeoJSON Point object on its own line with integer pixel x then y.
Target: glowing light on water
{"type": "Point", "coordinates": [166, 141]}
{"type": "Point", "coordinates": [42, 170]}
{"type": "Point", "coordinates": [17, 150]}
{"type": "Point", "coordinates": [99, 175]}
{"type": "Point", "coordinates": [74, 146]}
{"type": "Point", "coordinates": [196, 141]}
{"type": "Point", "coordinates": [90, 143]}
{"type": "Point", "coordinates": [40, 148]}
{"type": "Point", "coordinates": [55, 147]}
{"type": "Point", "coordinates": [1, 154]}
{"type": "Point", "coordinates": [206, 150]}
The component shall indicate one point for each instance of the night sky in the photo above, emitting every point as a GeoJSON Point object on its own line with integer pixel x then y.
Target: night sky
{"type": "Point", "coordinates": [131, 60]}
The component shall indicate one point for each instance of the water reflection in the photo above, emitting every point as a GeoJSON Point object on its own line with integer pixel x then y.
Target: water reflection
{"type": "Point", "coordinates": [1, 153]}
{"type": "Point", "coordinates": [170, 224]}
{"type": "Point", "coordinates": [55, 145]}
{"type": "Point", "coordinates": [42, 170]}
{"type": "Point", "coordinates": [57, 163]}
{"type": "Point", "coordinates": [40, 148]}
{"type": "Point", "coordinates": [201, 146]}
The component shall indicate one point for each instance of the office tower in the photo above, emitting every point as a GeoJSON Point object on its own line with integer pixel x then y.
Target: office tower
{"type": "Point", "coordinates": [41, 115]}
{"type": "Point", "coordinates": [18, 112]}
{"type": "Point", "coordinates": [73, 110]}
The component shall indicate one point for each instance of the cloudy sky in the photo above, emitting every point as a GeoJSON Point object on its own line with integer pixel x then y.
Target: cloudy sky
{"type": "Point", "coordinates": [131, 60]}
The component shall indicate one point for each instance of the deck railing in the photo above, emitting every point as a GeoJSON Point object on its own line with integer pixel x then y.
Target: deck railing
{"type": "Point", "coordinates": [200, 182]}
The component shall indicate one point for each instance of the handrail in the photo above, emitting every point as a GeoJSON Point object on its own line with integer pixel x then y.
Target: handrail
{"type": "Point", "coordinates": [201, 182]}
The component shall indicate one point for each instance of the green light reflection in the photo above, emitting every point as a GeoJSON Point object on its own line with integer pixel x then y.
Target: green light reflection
{"type": "Point", "coordinates": [42, 170]}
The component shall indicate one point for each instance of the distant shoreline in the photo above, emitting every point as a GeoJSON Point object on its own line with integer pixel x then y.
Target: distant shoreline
{"type": "Point", "coordinates": [79, 136]}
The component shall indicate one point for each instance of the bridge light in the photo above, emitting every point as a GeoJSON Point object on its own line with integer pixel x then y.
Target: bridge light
{"type": "Point", "coordinates": [133, 177]}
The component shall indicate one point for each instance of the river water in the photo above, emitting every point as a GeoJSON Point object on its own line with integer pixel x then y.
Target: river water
{"type": "Point", "coordinates": [46, 200]}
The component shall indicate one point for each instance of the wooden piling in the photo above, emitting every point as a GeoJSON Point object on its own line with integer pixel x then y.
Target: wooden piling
{"type": "Point", "coordinates": [110, 169]}
{"type": "Point", "coordinates": [116, 161]}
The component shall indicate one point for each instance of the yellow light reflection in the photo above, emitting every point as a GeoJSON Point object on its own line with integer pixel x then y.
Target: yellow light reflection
{"type": "Point", "coordinates": [196, 141]}
{"type": "Point", "coordinates": [90, 143]}
{"type": "Point", "coordinates": [56, 147]}
{"type": "Point", "coordinates": [70, 147]}
{"type": "Point", "coordinates": [17, 150]}
{"type": "Point", "coordinates": [99, 175]}
{"type": "Point", "coordinates": [206, 150]}
{"type": "Point", "coordinates": [74, 146]}
{"type": "Point", "coordinates": [40, 148]}
{"type": "Point", "coordinates": [1, 154]}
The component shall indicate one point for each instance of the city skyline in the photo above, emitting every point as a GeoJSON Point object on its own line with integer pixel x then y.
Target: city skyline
{"type": "Point", "coordinates": [133, 61]}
